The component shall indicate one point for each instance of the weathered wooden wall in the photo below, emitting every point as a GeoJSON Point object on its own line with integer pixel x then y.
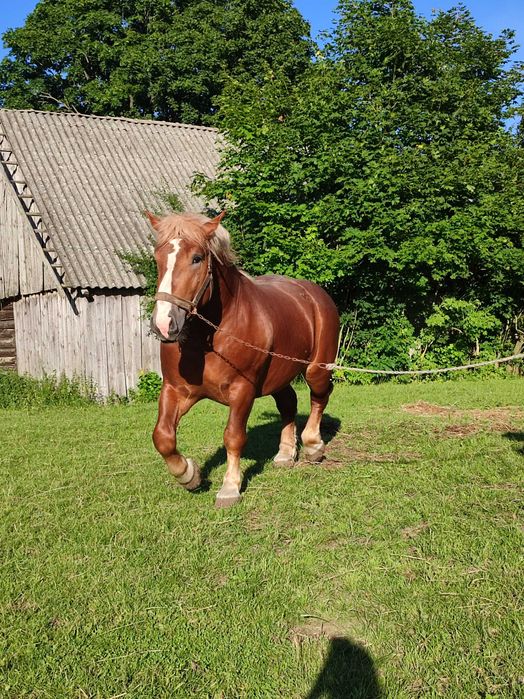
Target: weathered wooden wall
{"type": "Point", "coordinates": [106, 342]}
{"type": "Point", "coordinates": [7, 337]}
{"type": "Point", "coordinates": [23, 269]}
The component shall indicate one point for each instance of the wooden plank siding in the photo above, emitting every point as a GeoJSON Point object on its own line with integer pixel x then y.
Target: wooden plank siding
{"type": "Point", "coordinates": [106, 342]}
{"type": "Point", "coordinates": [23, 268]}
{"type": "Point", "coordinates": [7, 338]}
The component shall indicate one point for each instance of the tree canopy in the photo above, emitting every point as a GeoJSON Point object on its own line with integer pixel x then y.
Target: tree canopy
{"type": "Point", "coordinates": [380, 165]}
{"type": "Point", "coordinates": [386, 172]}
{"type": "Point", "coordinates": [161, 59]}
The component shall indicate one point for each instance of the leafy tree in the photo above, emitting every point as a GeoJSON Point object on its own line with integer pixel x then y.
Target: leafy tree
{"type": "Point", "coordinates": [387, 173]}
{"type": "Point", "coordinates": [142, 260]}
{"type": "Point", "coordinates": [147, 58]}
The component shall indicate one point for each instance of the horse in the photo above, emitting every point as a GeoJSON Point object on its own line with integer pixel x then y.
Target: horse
{"type": "Point", "coordinates": [220, 330]}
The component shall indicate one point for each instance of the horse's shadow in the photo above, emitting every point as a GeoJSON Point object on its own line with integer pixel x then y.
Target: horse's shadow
{"type": "Point", "coordinates": [262, 446]}
{"type": "Point", "coordinates": [518, 438]}
{"type": "Point", "coordinates": [348, 673]}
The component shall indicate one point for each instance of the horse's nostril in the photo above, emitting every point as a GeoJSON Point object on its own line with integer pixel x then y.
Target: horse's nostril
{"type": "Point", "coordinates": [164, 327]}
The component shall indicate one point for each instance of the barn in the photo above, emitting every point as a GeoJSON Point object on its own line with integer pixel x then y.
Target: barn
{"type": "Point", "coordinates": [73, 189]}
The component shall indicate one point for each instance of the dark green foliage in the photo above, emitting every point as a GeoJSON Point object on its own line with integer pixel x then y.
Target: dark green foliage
{"type": "Point", "coordinates": [147, 58]}
{"type": "Point", "coordinates": [142, 262]}
{"type": "Point", "coordinates": [387, 174]}
{"type": "Point", "coordinates": [148, 387]}
{"type": "Point", "coordinates": [447, 340]}
{"type": "Point", "coordinates": [27, 392]}
{"type": "Point", "coordinates": [170, 199]}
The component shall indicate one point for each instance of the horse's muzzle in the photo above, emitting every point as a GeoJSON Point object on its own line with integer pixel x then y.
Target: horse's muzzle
{"type": "Point", "coordinates": [169, 328]}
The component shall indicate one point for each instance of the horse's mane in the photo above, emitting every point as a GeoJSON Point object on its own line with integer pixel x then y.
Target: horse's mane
{"type": "Point", "coordinates": [188, 226]}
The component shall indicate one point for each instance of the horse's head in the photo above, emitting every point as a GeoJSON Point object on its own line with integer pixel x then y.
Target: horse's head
{"type": "Point", "coordinates": [183, 257]}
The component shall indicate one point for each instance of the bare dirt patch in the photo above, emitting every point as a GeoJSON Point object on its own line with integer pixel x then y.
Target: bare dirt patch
{"type": "Point", "coordinates": [469, 422]}
{"type": "Point", "coordinates": [466, 430]}
{"type": "Point", "coordinates": [316, 628]}
{"type": "Point", "coordinates": [339, 458]}
{"type": "Point", "coordinates": [351, 454]}
{"type": "Point", "coordinates": [423, 408]}
{"type": "Point", "coordinates": [413, 531]}
{"type": "Point", "coordinates": [23, 605]}
{"type": "Point", "coordinates": [340, 453]}
{"type": "Point", "coordinates": [254, 521]}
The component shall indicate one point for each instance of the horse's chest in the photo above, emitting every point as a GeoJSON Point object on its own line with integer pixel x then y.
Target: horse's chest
{"type": "Point", "coordinates": [224, 370]}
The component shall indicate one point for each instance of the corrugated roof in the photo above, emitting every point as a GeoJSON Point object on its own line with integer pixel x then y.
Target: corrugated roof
{"type": "Point", "coordinates": [92, 177]}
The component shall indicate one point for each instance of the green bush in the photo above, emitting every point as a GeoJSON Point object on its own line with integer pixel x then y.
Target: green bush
{"type": "Point", "coordinates": [456, 333]}
{"type": "Point", "coordinates": [148, 387]}
{"type": "Point", "coordinates": [385, 343]}
{"type": "Point", "coordinates": [388, 174]}
{"type": "Point", "coordinates": [27, 392]}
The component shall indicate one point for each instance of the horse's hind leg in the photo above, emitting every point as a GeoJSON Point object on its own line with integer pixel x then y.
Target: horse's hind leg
{"type": "Point", "coordinates": [319, 381]}
{"type": "Point", "coordinates": [286, 401]}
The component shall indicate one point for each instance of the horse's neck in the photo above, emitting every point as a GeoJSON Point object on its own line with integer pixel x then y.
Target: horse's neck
{"type": "Point", "coordinates": [228, 279]}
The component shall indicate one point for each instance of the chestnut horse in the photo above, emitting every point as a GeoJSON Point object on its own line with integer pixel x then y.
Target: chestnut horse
{"type": "Point", "coordinates": [197, 273]}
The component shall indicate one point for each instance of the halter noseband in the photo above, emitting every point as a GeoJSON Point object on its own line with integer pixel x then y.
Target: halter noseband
{"type": "Point", "coordinates": [189, 306]}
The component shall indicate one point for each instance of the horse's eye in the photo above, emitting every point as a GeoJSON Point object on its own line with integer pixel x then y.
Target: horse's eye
{"type": "Point", "coordinates": [197, 259]}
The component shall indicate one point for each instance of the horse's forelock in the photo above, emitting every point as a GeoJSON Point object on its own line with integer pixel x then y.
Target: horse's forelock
{"type": "Point", "coordinates": [189, 227]}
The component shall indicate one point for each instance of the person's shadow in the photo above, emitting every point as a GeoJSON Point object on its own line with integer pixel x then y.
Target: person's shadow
{"type": "Point", "coordinates": [262, 445]}
{"type": "Point", "coordinates": [348, 673]}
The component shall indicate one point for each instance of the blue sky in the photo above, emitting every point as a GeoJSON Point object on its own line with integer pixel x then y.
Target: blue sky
{"type": "Point", "coordinates": [491, 15]}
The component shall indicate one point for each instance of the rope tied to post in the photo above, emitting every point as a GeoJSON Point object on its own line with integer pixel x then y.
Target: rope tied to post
{"type": "Point", "coordinates": [382, 372]}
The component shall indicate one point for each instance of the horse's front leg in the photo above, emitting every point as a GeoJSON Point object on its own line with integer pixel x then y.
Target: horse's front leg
{"type": "Point", "coordinates": [235, 437]}
{"type": "Point", "coordinates": [171, 407]}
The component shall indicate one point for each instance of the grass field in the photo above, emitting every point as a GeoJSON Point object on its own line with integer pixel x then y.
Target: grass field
{"type": "Point", "coordinates": [394, 569]}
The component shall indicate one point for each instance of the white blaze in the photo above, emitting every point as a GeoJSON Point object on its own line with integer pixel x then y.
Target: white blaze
{"type": "Point", "coordinates": [162, 318]}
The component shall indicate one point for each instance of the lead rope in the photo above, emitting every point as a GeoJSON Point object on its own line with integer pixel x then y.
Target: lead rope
{"type": "Point", "coordinates": [383, 372]}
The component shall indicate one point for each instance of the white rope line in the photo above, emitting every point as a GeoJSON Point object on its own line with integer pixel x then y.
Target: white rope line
{"type": "Point", "coordinates": [420, 372]}
{"type": "Point", "coordinates": [339, 367]}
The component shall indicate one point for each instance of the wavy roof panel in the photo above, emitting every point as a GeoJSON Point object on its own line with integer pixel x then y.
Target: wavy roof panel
{"type": "Point", "coordinates": [92, 177]}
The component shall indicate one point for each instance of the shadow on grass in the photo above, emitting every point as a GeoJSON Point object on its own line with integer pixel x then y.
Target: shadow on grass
{"type": "Point", "coordinates": [517, 437]}
{"type": "Point", "coordinates": [348, 673]}
{"type": "Point", "coordinates": [262, 445]}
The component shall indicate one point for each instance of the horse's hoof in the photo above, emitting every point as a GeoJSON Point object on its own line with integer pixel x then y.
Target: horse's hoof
{"type": "Point", "coordinates": [192, 478]}
{"type": "Point", "coordinates": [284, 461]}
{"type": "Point", "coordinates": [227, 496]}
{"type": "Point", "coordinates": [286, 457]}
{"type": "Point", "coordinates": [314, 453]}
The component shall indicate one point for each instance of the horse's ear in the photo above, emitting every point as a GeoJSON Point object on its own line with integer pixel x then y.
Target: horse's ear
{"type": "Point", "coordinates": [153, 220]}
{"type": "Point", "coordinates": [211, 226]}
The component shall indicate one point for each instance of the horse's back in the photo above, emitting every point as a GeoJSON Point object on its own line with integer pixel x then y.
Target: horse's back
{"type": "Point", "coordinates": [302, 314]}
{"type": "Point", "coordinates": [297, 288]}
{"type": "Point", "coordinates": [300, 293]}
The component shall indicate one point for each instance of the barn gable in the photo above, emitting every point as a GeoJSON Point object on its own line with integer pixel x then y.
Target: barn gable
{"type": "Point", "coordinates": [90, 179]}
{"type": "Point", "coordinates": [73, 189]}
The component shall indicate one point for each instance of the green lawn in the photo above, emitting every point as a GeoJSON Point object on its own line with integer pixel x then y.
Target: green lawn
{"type": "Point", "coordinates": [394, 569]}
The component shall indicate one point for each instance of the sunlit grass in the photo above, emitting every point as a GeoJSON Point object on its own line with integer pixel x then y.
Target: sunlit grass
{"type": "Point", "coordinates": [407, 543]}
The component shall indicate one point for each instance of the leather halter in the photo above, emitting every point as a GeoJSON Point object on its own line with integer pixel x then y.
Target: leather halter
{"type": "Point", "coordinates": [189, 306]}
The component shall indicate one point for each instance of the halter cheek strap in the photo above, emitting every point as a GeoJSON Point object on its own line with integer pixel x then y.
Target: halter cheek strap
{"type": "Point", "coordinates": [189, 306]}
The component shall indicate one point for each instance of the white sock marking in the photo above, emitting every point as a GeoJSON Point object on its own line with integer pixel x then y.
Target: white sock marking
{"type": "Point", "coordinates": [188, 473]}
